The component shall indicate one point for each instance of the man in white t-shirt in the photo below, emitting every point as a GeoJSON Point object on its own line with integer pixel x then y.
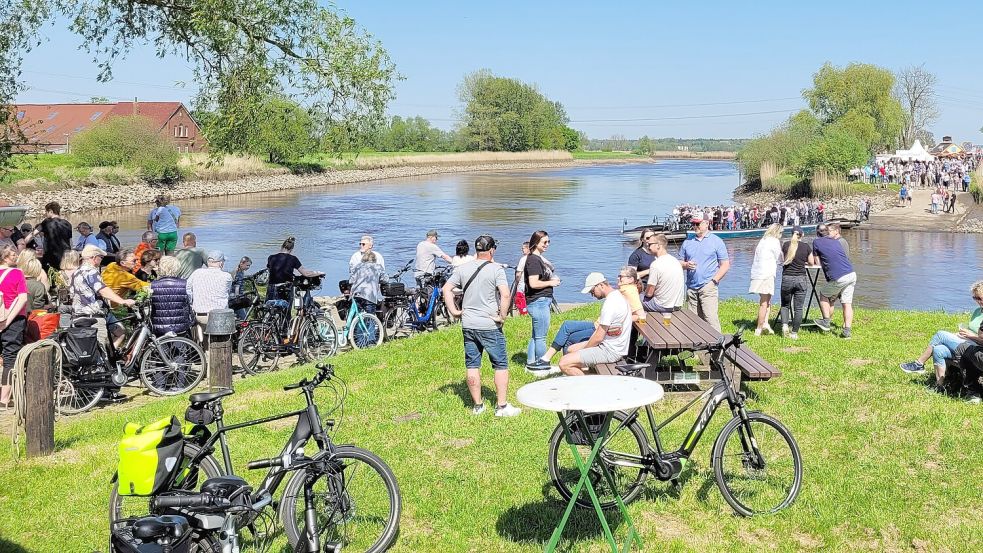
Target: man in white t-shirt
{"type": "Point", "coordinates": [365, 246]}
{"type": "Point", "coordinates": [427, 254]}
{"type": "Point", "coordinates": [666, 290]}
{"type": "Point", "coordinates": [611, 338]}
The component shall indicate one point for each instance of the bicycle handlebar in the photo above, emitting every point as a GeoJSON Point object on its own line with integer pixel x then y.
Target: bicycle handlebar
{"type": "Point", "coordinates": [324, 372]}
{"type": "Point", "coordinates": [190, 501]}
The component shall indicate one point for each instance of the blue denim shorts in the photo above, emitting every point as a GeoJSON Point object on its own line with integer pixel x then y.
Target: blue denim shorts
{"type": "Point", "coordinates": [491, 341]}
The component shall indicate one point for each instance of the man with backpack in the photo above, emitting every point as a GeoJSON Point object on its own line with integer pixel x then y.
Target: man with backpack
{"type": "Point", "coordinates": [484, 306]}
{"type": "Point", "coordinates": [164, 220]}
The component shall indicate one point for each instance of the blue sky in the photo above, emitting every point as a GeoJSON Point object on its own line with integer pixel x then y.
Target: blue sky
{"type": "Point", "coordinates": [628, 68]}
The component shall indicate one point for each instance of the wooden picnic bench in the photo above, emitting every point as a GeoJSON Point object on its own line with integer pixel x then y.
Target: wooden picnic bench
{"type": "Point", "coordinates": [687, 332]}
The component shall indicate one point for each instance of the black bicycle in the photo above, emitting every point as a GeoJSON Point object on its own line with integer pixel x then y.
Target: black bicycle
{"type": "Point", "coordinates": [756, 462]}
{"type": "Point", "coordinates": [353, 495]}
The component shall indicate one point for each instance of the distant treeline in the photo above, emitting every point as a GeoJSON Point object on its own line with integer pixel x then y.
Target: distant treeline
{"type": "Point", "coordinates": [646, 145]}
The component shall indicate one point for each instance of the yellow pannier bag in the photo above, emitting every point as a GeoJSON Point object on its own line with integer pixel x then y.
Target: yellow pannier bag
{"type": "Point", "coordinates": [150, 456]}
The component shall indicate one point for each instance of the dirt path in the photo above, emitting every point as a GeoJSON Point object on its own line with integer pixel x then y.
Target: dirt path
{"type": "Point", "coordinates": [918, 215]}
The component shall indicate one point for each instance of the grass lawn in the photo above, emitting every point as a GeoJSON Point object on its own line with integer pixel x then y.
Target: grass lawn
{"type": "Point", "coordinates": [607, 155]}
{"type": "Point", "coordinates": [54, 168]}
{"type": "Point", "coordinates": [889, 466]}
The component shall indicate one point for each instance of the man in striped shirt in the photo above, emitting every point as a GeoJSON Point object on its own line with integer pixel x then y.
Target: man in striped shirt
{"type": "Point", "coordinates": [209, 287]}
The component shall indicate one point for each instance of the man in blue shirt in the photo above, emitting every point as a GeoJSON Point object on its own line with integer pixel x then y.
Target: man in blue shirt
{"type": "Point", "coordinates": [840, 277]}
{"type": "Point", "coordinates": [705, 259]}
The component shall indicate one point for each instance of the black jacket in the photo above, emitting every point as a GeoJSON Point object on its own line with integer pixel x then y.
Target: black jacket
{"type": "Point", "coordinates": [170, 305]}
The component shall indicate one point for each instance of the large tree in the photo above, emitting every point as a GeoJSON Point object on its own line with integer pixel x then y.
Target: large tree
{"type": "Point", "coordinates": [915, 89]}
{"type": "Point", "coordinates": [243, 53]}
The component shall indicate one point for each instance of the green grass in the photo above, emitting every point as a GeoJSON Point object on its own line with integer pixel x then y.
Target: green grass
{"type": "Point", "coordinates": [889, 466]}
{"type": "Point", "coordinates": [54, 168]}
{"type": "Point", "coordinates": [607, 155]}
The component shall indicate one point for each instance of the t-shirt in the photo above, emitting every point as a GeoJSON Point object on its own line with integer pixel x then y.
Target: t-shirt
{"type": "Point", "coordinates": [796, 267]}
{"type": "Point", "coordinates": [707, 252]}
{"type": "Point", "coordinates": [641, 260]}
{"type": "Point", "coordinates": [536, 266]}
{"type": "Point", "coordinates": [191, 260]}
{"type": "Point", "coordinates": [767, 256]}
{"type": "Point", "coordinates": [975, 318]}
{"type": "Point", "coordinates": [37, 294]}
{"type": "Point", "coordinates": [480, 302]}
{"type": "Point", "coordinates": [12, 286]}
{"type": "Point", "coordinates": [666, 274]}
{"type": "Point", "coordinates": [615, 313]}
{"type": "Point", "coordinates": [282, 267]}
{"type": "Point", "coordinates": [84, 290]}
{"type": "Point", "coordinates": [427, 254]}
{"type": "Point", "coordinates": [630, 292]}
{"type": "Point", "coordinates": [832, 257]}
{"type": "Point", "coordinates": [164, 219]}
{"type": "Point", "coordinates": [57, 234]}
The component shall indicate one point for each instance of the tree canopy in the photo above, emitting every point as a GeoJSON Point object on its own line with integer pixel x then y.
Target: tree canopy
{"type": "Point", "coordinates": [243, 52]}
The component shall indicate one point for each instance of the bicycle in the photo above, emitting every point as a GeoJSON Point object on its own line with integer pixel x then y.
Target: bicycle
{"type": "Point", "coordinates": [395, 304]}
{"type": "Point", "coordinates": [751, 450]}
{"type": "Point", "coordinates": [166, 365]}
{"type": "Point", "coordinates": [351, 495]}
{"type": "Point", "coordinates": [310, 335]}
{"type": "Point", "coordinates": [361, 329]}
{"type": "Point", "coordinates": [426, 303]}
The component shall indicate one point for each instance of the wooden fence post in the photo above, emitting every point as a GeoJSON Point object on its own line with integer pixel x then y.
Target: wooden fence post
{"type": "Point", "coordinates": [219, 362]}
{"type": "Point", "coordinates": [39, 396]}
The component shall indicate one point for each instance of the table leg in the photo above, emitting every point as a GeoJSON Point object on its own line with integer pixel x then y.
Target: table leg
{"type": "Point", "coordinates": [584, 467]}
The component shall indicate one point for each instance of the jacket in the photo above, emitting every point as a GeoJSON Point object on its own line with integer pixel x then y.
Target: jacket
{"type": "Point", "coordinates": [170, 306]}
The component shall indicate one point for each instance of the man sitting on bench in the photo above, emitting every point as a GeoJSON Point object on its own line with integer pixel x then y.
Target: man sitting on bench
{"type": "Point", "coordinates": [609, 341]}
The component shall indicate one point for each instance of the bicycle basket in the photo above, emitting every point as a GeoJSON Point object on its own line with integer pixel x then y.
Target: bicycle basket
{"type": "Point", "coordinates": [80, 346]}
{"type": "Point", "coordinates": [390, 289]}
{"type": "Point", "coordinates": [345, 286]}
{"type": "Point", "coordinates": [150, 456]}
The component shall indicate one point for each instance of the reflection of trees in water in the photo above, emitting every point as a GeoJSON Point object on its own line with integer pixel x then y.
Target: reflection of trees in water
{"type": "Point", "coordinates": [512, 197]}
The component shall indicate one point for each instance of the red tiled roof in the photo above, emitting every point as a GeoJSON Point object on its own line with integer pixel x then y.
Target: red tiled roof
{"type": "Point", "coordinates": [158, 112]}
{"type": "Point", "coordinates": [56, 123]}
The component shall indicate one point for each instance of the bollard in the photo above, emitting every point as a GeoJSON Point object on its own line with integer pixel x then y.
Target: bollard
{"type": "Point", "coordinates": [219, 329]}
{"type": "Point", "coordinates": [39, 400]}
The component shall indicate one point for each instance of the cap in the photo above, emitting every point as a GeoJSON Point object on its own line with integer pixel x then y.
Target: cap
{"type": "Point", "coordinates": [432, 232]}
{"type": "Point", "coordinates": [696, 220]}
{"type": "Point", "coordinates": [91, 251]}
{"type": "Point", "coordinates": [593, 280]}
{"type": "Point", "coordinates": [485, 243]}
{"type": "Point", "coordinates": [216, 255]}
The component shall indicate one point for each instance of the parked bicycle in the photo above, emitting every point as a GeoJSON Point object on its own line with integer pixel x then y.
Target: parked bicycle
{"type": "Point", "coordinates": [166, 365]}
{"type": "Point", "coordinates": [756, 461]}
{"type": "Point", "coordinates": [361, 328]}
{"type": "Point", "coordinates": [425, 307]}
{"type": "Point", "coordinates": [350, 496]}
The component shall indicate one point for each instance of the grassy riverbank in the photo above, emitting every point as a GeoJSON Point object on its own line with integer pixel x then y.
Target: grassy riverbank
{"type": "Point", "coordinates": [889, 466]}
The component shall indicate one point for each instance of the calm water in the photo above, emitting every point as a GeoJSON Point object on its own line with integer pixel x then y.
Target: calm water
{"type": "Point", "coordinates": [582, 209]}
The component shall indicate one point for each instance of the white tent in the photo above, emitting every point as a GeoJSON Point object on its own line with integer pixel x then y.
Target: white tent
{"type": "Point", "coordinates": [917, 152]}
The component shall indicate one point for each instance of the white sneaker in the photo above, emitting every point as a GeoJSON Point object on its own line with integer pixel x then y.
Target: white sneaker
{"type": "Point", "coordinates": [768, 330]}
{"type": "Point", "coordinates": [508, 411]}
{"type": "Point", "coordinates": [478, 409]}
{"type": "Point", "coordinates": [793, 335]}
{"type": "Point", "coordinates": [757, 332]}
{"type": "Point", "coordinates": [785, 330]}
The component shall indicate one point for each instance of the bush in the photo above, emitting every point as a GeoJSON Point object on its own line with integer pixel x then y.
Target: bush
{"type": "Point", "coordinates": [130, 142]}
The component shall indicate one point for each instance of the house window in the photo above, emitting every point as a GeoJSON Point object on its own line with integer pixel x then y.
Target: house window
{"type": "Point", "coordinates": [20, 115]}
{"type": "Point", "coordinates": [176, 131]}
{"type": "Point", "coordinates": [185, 129]}
{"type": "Point", "coordinates": [95, 116]}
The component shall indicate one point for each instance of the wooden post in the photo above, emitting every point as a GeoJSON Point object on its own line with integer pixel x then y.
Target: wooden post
{"type": "Point", "coordinates": [219, 362]}
{"type": "Point", "coordinates": [39, 395]}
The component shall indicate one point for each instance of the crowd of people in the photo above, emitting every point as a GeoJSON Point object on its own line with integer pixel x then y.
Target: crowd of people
{"type": "Point", "coordinates": [945, 173]}
{"type": "Point", "coordinates": [804, 211]}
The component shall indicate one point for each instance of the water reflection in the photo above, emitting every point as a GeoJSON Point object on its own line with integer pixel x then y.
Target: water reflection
{"type": "Point", "coordinates": [582, 208]}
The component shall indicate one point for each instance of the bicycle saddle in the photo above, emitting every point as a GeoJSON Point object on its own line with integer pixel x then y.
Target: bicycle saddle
{"type": "Point", "coordinates": [632, 369]}
{"type": "Point", "coordinates": [168, 526]}
{"type": "Point", "coordinates": [205, 397]}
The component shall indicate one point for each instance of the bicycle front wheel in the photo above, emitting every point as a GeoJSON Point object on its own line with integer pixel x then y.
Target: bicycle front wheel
{"type": "Point", "coordinates": [259, 348]}
{"type": "Point", "coordinates": [397, 323]}
{"type": "Point", "coordinates": [356, 501]}
{"type": "Point", "coordinates": [173, 366]}
{"type": "Point", "coordinates": [757, 465]}
{"type": "Point", "coordinates": [621, 454]}
{"type": "Point", "coordinates": [318, 339]}
{"type": "Point", "coordinates": [365, 331]}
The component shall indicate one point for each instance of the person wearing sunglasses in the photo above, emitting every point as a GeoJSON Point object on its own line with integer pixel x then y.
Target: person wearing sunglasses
{"type": "Point", "coordinates": [364, 246]}
{"type": "Point", "coordinates": [944, 344]}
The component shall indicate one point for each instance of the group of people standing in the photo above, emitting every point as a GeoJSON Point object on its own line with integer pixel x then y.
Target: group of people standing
{"type": "Point", "coordinates": [742, 216]}
{"type": "Point", "coordinates": [945, 173]}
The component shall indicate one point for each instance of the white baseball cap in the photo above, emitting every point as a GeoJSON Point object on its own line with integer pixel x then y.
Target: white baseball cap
{"type": "Point", "coordinates": [593, 280]}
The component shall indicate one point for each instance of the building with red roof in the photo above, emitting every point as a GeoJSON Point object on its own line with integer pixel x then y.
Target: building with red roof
{"type": "Point", "coordinates": [50, 127]}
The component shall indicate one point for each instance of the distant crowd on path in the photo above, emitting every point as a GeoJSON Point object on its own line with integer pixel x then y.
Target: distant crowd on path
{"type": "Point", "coordinates": [803, 211]}
{"type": "Point", "coordinates": [951, 174]}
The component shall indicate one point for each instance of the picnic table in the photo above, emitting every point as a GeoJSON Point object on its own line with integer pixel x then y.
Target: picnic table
{"type": "Point", "coordinates": [687, 332]}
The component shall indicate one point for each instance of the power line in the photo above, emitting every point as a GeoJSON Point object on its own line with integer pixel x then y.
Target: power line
{"type": "Point", "coordinates": [676, 118]}
{"type": "Point", "coordinates": [93, 79]}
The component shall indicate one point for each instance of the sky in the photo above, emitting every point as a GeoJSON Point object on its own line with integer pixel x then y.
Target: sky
{"type": "Point", "coordinates": [688, 70]}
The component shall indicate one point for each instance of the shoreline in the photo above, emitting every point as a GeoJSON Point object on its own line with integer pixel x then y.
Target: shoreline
{"type": "Point", "coordinates": [88, 197]}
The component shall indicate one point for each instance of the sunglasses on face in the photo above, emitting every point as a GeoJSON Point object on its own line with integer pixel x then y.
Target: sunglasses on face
{"type": "Point", "coordinates": [362, 244]}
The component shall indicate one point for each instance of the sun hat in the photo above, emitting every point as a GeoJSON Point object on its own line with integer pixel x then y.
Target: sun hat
{"type": "Point", "coordinates": [216, 255]}
{"type": "Point", "coordinates": [592, 280]}
{"type": "Point", "coordinates": [91, 251]}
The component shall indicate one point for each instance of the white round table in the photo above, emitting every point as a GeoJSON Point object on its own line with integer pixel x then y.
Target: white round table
{"type": "Point", "coordinates": [576, 395]}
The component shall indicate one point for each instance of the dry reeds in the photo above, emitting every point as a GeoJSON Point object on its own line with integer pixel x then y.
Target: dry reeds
{"type": "Point", "coordinates": [230, 167]}
{"type": "Point", "coordinates": [685, 154]}
{"type": "Point", "coordinates": [826, 184]}
{"type": "Point", "coordinates": [976, 185]}
{"type": "Point", "coordinates": [465, 158]}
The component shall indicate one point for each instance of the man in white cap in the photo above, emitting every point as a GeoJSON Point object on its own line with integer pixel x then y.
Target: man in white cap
{"type": "Point", "coordinates": [610, 340]}
{"type": "Point", "coordinates": [88, 291]}
{"type": "Point", "coordinates": [208, 287]}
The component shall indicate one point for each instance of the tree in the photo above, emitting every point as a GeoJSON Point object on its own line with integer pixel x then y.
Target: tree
{"type": "Point", "coordinates": [242, 52]}
{"type": "Point", "coordinates": [915, 89]}
{"type": "Point", "coordinates": [284, 133]}
{"type": "Point", "coordinates": [861, 95]}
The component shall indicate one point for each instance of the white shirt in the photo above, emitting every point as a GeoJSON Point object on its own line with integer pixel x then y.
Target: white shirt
{"type": "Point", "coordinates": [667, 275]}
{"type": "Point", "coordinates": [767, 257]}
{"type": "Point", "coordinates": [615, 313]}
{"type": "Point", "coordinates": [357, 258]}
{"type": "Point", "coordinates": [209, 289]}
{"type": "Point", "coordinates": [461, 259]}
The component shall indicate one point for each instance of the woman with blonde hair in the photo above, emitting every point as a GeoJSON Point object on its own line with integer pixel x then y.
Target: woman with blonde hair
{"type": "Point", "coordinates": [767, 257]}
{"type": "Point", "coordinates": [37, 292]}
{"type": "Point", "coordinates": [71, 260]}
{"type": "Point", "coordinates": [24, 257]}
{"type": "Point", "coordinates": [795, 282]}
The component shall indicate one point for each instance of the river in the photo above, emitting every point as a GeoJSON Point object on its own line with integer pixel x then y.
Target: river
{"type": "Point", "coordinates": [581, 207]}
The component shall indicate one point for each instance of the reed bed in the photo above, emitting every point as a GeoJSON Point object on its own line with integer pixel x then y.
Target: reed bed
{"type": "Point", "coordinates": [684, 154]}
{"type": "Point", "coordinates": [203, 167]}
{"type": "Point", "coordinates": [465, 158]}
{"type": "Point", "coordinates": [829, 184]}
{"type": "Point", "coordinates": [976, 185]}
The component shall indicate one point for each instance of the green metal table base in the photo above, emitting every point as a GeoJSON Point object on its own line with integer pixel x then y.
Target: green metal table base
{"type": "Point", "coordinates": [584, 466]}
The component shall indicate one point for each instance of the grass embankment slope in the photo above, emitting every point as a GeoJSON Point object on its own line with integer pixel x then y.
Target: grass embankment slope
{"type": "Point", "coordinates": [889, 466]}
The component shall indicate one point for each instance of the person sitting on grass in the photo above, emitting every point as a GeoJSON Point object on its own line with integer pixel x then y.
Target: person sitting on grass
{"type": "Point", "coordinates": [943, 344]}
{"type": "Point", "coordinates": [610, 340]}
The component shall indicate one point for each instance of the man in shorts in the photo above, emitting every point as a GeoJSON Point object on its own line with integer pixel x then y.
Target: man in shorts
{"type": "Point", "coordinates": [164, 220]}
{"type": "Point", "coordinates": [840, 277]}
{"type": "Point", "coordinates": [484, 306]}
{"type": "Point", "coordinates": [610, 340]}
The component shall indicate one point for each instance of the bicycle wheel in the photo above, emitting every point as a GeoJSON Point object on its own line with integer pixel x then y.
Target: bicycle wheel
{"type": "Point", "coordinates": [318, 339]}
{"type": "Point", "coordinates": [122, 507]}
{"type": "Point", "coordinates": [356, 499]}
{"type": "Point", "coordinates": [173, 366]}
{"type": "Point", "coordinates": [365, 331]}
{"type": "Point", "coordinates": [397, 323]}
{"type": "Point", "coordinates": [621, 454]}
{"type": "Point", "coordinates": [259, 349]}
{"type": "Point", "coordinates": [73, 397]}
{"type": "Point", "coordinates": [757, 465]}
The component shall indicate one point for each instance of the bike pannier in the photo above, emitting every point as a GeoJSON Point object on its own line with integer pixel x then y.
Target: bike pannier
{"type": "Point", "coordinates": [390, 289]}
{"type": "Point", "coordinates": [240, 302]}
{"type": "Point", "coordinates": [150, 456]}
{"type": "Point", "coordinates": [81, 347]}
